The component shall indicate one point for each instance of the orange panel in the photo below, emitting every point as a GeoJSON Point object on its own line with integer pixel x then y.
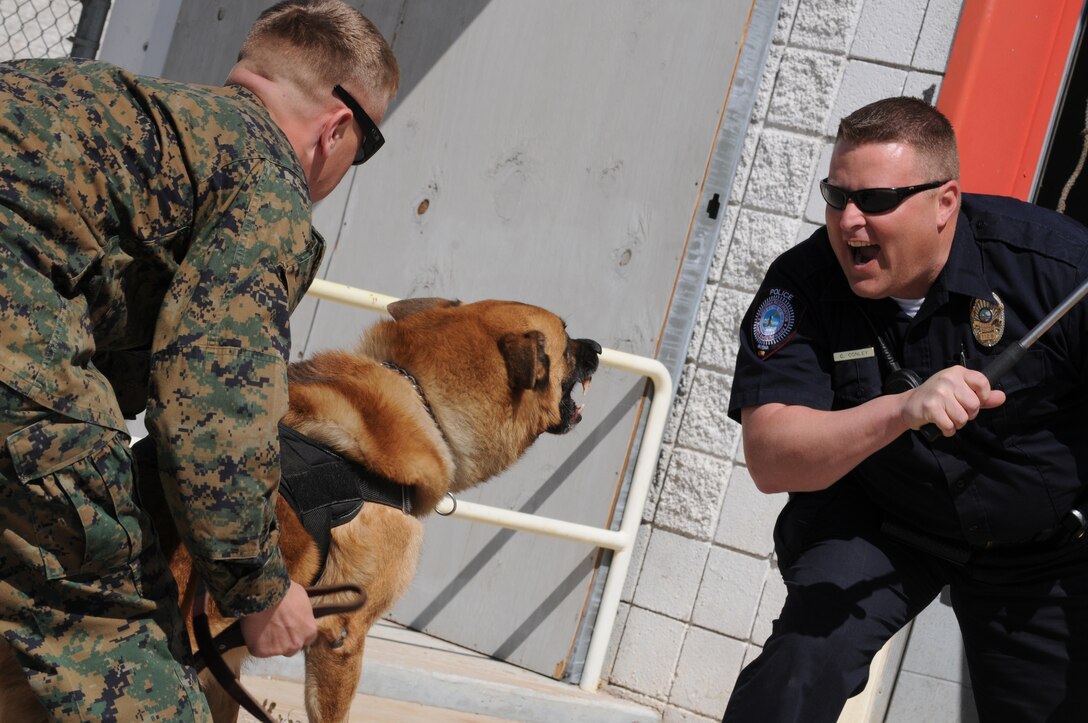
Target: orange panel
{"type": "Point", "coordinates": [1002, 83]}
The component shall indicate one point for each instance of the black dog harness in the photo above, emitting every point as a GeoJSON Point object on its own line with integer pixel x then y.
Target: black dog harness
{"type": "Point", "coordinates": [326, 490]}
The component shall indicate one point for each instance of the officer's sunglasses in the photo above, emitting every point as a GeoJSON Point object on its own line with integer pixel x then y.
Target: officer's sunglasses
{"type": "Point", "coordinates": [372, 137]}
{"type": "Point", "coordinates": [872, 200]}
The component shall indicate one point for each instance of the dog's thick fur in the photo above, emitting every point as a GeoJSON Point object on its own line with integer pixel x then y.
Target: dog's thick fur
{"type": "Point", "coordinates": [496, 374]}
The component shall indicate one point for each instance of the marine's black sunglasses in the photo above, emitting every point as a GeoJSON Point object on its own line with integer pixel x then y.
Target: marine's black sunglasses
{"type": "Point", "coordinates": [372, 137]}
{"type": "Point", "coordinates": [872, 200]}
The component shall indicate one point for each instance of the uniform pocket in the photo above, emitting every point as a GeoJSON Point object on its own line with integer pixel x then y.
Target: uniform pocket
{"type": "Point", "coordinates": [297, 273]}
{"type": "Point", "coordinates": [797, 524]}
{"type": "Point", "coordinates": [78, 481]}
{"type": "Point", "coordinates": [836, 512]}
{"type": "Point", "coordinates": [855, 381]}
{"type": "Point", "coordinates": [1032, 393]}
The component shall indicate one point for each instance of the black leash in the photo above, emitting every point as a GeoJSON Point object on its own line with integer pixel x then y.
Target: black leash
{"type": "Point", "coordinates": [210, 650]}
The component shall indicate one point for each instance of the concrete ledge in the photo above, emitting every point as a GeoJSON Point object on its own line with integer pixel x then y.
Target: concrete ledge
{"type": "Point", "coordinates": [409, 666]}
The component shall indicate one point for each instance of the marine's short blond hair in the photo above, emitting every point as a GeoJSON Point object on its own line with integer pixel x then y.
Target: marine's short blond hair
{"type": "Point", "coordinates": [910, 121]}
{"type": "Point", "coordinates": [321, 43]}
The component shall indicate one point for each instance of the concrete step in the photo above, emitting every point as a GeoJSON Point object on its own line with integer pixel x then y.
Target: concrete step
{"type": "Point", "coordinates": [410, 676]}
{"type": "Point", "coordinates": [284, 700]}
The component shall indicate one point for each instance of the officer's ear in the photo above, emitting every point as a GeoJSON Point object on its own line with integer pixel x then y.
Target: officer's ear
{"type": "Point", "coordinates": [948, 204]}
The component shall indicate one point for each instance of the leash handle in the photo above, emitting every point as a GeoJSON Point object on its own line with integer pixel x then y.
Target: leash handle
{"type": "Point", "coordinates": [231, 636]}
{"type": "Point", "coordinates": [210, 650]}
{"type": "Point", "coordinates": [321, 611]}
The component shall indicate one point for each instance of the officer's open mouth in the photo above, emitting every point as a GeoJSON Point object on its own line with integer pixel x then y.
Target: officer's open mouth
{"type": "Point", "coordinates": [865, 253]}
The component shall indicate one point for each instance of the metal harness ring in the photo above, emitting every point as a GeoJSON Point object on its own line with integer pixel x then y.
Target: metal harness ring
{"type": "Point", "coordinates": [453, 506]}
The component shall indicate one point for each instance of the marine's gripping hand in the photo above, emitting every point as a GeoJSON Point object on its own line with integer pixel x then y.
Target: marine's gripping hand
{"type": "Point", "coordinates": [283, 629]}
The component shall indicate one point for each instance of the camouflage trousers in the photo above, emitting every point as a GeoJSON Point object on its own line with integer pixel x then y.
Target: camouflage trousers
{"type": "Point", "coordinates": [87, 603]}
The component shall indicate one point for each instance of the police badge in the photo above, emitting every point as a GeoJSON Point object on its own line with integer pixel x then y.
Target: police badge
{"type": "Point", "coordinates": [773, 323]}
{"type": "Point", "coordinates": [988, 320]}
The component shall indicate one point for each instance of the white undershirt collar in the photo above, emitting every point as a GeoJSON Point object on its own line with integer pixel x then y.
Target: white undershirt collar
{"type": "Point", "coordinates": [910, 307]}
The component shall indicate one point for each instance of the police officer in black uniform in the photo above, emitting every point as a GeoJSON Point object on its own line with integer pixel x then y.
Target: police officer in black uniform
{"type": "Point", "coordinates": [861, 336]}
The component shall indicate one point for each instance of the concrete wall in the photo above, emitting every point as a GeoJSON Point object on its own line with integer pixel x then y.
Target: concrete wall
{"type": "Point", "coordinates": [137, 36]}
{"type": "Point", "coordinates": [704, 589]}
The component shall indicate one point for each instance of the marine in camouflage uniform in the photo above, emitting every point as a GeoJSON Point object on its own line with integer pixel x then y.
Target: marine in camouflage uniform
{"type": "Point", "coordinates": [154, 238]}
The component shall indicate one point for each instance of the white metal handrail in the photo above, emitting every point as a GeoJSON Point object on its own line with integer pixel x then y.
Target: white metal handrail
{"type": "Point", "coordinates": [621, 541]}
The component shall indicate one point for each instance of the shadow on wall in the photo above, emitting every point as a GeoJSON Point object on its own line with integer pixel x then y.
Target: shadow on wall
{"type": "Point", "coordinates": [209, 32]}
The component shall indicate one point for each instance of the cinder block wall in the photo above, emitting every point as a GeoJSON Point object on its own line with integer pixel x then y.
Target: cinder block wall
{"type": "Point", "coordinates": [704, 589]}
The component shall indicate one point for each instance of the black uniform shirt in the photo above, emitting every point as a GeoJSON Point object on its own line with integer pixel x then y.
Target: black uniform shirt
{"type": "Point", "coordinates": [1012, 472]}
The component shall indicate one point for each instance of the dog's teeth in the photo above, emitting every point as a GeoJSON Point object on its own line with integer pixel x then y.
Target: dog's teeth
{"type": "Point", "coordinates": [585, 385]}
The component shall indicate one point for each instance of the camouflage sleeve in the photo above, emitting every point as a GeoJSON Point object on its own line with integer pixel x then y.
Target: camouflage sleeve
{"type": "Point", "coordinates": [218, 382]}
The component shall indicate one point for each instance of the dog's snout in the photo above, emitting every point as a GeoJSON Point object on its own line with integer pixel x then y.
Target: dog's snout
{"type": "Point", "coordinates": [587, 354]}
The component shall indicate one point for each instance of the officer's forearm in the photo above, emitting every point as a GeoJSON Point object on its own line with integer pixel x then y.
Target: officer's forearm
{"type": "Point", "coordinates": [791, 448]}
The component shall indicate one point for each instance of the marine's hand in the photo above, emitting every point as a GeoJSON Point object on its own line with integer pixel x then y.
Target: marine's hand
{"type": "Point", "coordinates": [282, 629]}
{"type": "Point", "coordinates": [949, 399]}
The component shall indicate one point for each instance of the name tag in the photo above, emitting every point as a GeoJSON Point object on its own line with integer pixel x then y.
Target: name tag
{"type": "Point", "coordinates": [865, 353]}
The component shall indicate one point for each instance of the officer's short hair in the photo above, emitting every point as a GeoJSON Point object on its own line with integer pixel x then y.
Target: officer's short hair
{"type": "Point", "coordinates": [321, 43]}
{"type": "Point", "coordinates": [911, 121]}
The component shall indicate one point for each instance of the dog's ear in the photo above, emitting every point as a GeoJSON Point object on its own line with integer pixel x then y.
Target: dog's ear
{"type": "Point", "coordinates": [527, 363]}
{"type": "Point", "coordinates": [406, 307]}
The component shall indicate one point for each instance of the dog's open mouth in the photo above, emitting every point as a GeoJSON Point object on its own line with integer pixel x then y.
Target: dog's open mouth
{"type": "Point", "coordinates": [586, 357]}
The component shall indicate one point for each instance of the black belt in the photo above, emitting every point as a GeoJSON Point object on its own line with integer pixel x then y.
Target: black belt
{"type": "Point", "coordinates": [1073, 527]}
{"type": "Point", "coordinates": [954, 552]}
{"type": "Point", "coordinates": [1076, 522]}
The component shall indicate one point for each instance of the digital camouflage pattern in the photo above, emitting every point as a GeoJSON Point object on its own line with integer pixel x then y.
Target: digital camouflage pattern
{"type": "Point", "coordinates": [154, 238]}
{"type": "Point", "coordinates": [75, 525]}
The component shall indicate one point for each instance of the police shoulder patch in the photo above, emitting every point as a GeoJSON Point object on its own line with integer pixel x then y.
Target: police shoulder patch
{"type": "Point", "coordinates": [774, 322]}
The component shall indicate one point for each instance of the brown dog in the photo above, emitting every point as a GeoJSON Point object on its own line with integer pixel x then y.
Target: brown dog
{"type": "Point", "coordinates": [483, 381]}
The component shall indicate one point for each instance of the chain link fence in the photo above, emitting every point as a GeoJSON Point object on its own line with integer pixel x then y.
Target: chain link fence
{"type": "Point", "coordinates": [37, 28]}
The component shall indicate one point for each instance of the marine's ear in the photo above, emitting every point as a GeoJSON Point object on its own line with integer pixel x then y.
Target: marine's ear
{"type": "Point", "coordinates": [527, 363]}
{"type": "Point", "coordinates": [406, 307]}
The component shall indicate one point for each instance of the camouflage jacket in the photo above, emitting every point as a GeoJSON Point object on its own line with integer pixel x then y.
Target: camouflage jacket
{"type": "Point", "coordinates": [154, 238]}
